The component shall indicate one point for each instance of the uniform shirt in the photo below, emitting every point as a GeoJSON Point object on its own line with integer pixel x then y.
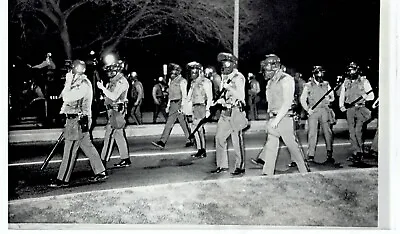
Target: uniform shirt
{"type": "Point", "coordinates": [313, 92]}
{"type": "Point", "coordinates": [177, 88]}
{"type": "Point", "coordinates": [237, 93]}
{"type": "Point", "coordinates": [137, 91]}
{"type": "Point", "coordinates": [77, 96]}
{"type": "Point", "coordinates": [216, 82]}
{"type": "Point", "coordinates": [351, 90]}
{"type": "Point", "coordinates": [200, 91]}
{"type": "Point", "coordinates": [116, 90]}
{"type": "Point", "coordinates": [280, 93]}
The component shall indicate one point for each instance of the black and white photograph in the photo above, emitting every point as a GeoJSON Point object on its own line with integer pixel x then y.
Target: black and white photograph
{"type": "Point", "coordinates": [204, 114]}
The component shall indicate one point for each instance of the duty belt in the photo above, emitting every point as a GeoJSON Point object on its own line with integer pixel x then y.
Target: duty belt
{"type": "Point", "coordinates": [199, 104]}
{"type": "Point", "coordinates": [71, 116]}
{"type": "Point", "coordinates": [274, 114]}
{"type": "Point", "coordinates": [116, 107]}
{"type": "Point", "coordinates": [232, 107]}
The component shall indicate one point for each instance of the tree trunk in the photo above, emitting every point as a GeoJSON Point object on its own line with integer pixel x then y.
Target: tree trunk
{"type": "Point", "coordinates": [65, 39]}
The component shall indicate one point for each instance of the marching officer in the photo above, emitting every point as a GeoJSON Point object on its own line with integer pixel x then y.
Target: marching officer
{"type": "Point", "coordinates": [321, 114]}
{"type": "Point", "coordinates": [280, 97]}
{"type": "Point", "coordinates": [253, 98]}
{"type": "Point", "coordinates": [355, 88]}
{"type": "Point", "coordinates": [177, 97]}
{"type": "Point", "coordinates": [200, 95]}
{"type": "Point", "coordinates": [160, 98]}
{"type": "Point", "coordinates": [136, 98]}
{"type": "Point", "coordinates": [77, 98]}
{"type": "Point", "coordinates": [115, 101]}
{"type": "Point", "coordinates": [233, 117]}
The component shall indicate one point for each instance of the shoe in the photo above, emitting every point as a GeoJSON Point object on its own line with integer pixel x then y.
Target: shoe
{"type": "Point", "coordinates": [189, 144]}
{"type": "Point", "coordinates": [201, 153]}
{"type": "Point", "coordinates": [123, 163]}
{"type": "Point", "coordinates": [58, 184]}
{"type": "Point", "coordinates": [310, 159]}
{"type": "Point", "coordinates": [99, 177]}
{"type": "Point", "coordinates": [372, 154]}
{"type": "Point", "coordinates": [258, 161]}
{"type": "Point", "coordinates": [329, 161]}
{"type": "Point", "coordinates": [238, 171]}
{"type": "Point", "coordinates": [219, 170]}
{"type": "Point", "coordinates": [356, 158]}
{"type": "Point", "coordinates": [159, 144]}
{"type": "Point", "coordinates": [292, 164]}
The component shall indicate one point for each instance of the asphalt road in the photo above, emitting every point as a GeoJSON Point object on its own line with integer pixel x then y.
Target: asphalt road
{"type": "Point", "coordinates": [152, 166]}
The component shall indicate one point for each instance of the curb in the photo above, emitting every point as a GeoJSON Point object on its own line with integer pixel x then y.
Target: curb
{"type": "Point", "coordinates": [48, 135]}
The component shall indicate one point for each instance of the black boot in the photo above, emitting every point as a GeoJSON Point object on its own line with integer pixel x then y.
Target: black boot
{"type": "Point", "coordinates": [201, 153]}
{"type": "Point", "coordinates": [123, 163]}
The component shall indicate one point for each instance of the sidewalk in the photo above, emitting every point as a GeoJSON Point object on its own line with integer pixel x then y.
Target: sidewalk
{"type": "Point", "coordinates": [145, 130]}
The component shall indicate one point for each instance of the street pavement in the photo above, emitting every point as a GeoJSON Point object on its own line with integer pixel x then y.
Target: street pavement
{"type": "Point", "coordinates": [151, 165]}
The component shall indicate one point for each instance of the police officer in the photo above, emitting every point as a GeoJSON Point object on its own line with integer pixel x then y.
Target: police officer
{"type": "Point", "coordinates": [355, 86]}
{"type": "Point", "coordinates": [215, 78]}
{"type": "Point", "coordinates": [200, 97]}
{"type": "Point", "coordinates": [177, 96]}
{"type": "Point", "coordinates": [233, 117]}
{"type": "Point", "coordinates": [136, 98]}
{"type": "Point", "coordinates": [116, 104]}
{"type": "Point", "coordinates": [280, 96]}
{"type": "Point", "coordinates": [77, 100]}
{"type": "Point", "coordinates": [322, 114]}
{"type": "Point", "coordinates": [253, 98]}
{"type": "Point", "coordinates": [160, 98]}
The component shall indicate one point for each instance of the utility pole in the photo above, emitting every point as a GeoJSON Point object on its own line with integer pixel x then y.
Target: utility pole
{"type": "Point", "coordinates": [236, 30]}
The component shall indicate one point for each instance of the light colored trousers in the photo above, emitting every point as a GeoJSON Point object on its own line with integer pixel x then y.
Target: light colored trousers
{"type": "Point", "coordinates": [70, 154]}
{"type": "Point", "coordinates": [285, 129]}
{"type": "Point", "coordinates": [225, 129]}
{"type": "Point", "coordinates": [319, 117]}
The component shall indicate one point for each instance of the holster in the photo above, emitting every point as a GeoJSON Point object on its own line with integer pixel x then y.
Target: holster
{"type": "Point", "coordinates": [84, 123]}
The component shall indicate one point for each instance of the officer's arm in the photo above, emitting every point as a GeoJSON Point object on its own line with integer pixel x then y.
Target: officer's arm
{"type": "Point", "coordinates": [330, 96]}
{"type": "Point", "coordinates": [258, 89]}
{"type": "Point", "coordinates": [209, 95]}
{"type": "Point", "coordinates": [70, 95]}
{"type": "Point", "coordinates": [183, 86]}
{"type": "Point", "coordinates": [238, 92]}
{"type": "Point", "coordinates": [288, 95]}
{"type": "Point", "coordinates": [42, 65]}
{"type": "Point", "coordinates": [303, 98]}
{"type": "Point", "coordinates": [117, 91]}
{"type": "Point", "coordinates": [140, 92]}
{"type": "Point", "coordinates": [154, 93]}
{"type": "Point", "coordinates": [341, 96]}
{"type": "Point", "coordinates": [367, 87]}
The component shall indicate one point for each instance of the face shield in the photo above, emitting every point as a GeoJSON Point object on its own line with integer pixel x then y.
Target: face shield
{"type": "Point", "coordinates": [227, 67]}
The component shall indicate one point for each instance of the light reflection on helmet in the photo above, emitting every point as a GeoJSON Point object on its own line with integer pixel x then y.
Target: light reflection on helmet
{"type": "Point", "coordinates": [78, 67]}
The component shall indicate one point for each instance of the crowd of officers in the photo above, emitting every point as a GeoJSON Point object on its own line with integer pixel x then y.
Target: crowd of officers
{"type": "Point", "coordinates": [208, 95]}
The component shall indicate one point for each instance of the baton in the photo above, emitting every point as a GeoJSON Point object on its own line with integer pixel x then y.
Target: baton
{"type": "Point", "coordinates": [347, 106]}
{"type": "Point", "coordinates": [297, 139]}
{"type": "Point", "coordinates": [212, 112]}
{"type": "Point", "coordinates": [50, 156]}
{"type": "Point", "coordinates": [340, 81]}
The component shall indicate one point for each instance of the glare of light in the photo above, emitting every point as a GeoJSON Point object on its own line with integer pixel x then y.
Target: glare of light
{"type": "Point", "coordinates": [109, 59]}
{"type": "Point", "coordinates": [91, 52]}
{"type": "Point", "coordinates": [13, 65]}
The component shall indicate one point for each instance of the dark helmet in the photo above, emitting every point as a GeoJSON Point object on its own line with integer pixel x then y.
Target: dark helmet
{"type": "Point", "coordinates": [318, 71]}
{"type": "Point", "coordinates": [78, 66]}
{"type": "Point", "coordinates": [195, 69]}
{"type": "Point", "coordinates": [194, 65]}
{"type": "Point", "coordinates": [115, 67]}
{"type": "Point", "coordinates": [270, 65]}
{"type": "Point", "coordinates": [229, 62]}
{"type": "Point", "coordinates": [174, 67]}
{"type": "Point", "coordinates": [353, 70]}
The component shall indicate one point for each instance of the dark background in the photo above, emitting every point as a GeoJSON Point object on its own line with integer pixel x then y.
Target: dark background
{"type": "Point", "coordinates": [330, 33]}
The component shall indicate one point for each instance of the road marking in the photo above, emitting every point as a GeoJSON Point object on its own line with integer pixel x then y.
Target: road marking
{"type": "Point", "coordinates": [138, 154]}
